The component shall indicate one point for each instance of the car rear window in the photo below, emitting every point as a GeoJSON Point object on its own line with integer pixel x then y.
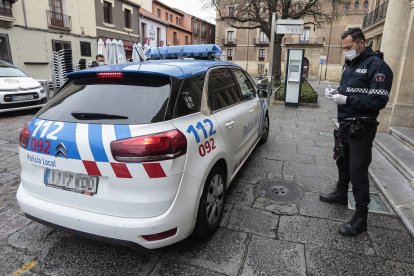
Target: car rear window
{"type": "Point", "coordinates": [127, 100]}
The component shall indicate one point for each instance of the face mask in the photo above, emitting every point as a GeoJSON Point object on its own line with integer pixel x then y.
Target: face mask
{"type": "Point", "coordinates": [100, 63]}
{"type": "Point", "coordinates": [351, 54]}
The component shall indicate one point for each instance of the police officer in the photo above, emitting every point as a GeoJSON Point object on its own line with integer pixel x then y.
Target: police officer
{"type": "Point", "coordinates": [364, 90]}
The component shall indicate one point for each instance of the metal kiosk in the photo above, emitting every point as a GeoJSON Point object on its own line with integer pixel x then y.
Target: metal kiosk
{"type": "Point", "coordinates": [293, 83]}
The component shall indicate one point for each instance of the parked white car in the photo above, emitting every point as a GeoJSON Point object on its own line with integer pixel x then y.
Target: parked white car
{"type": "Point", "coordinates": [19, 91]}
{"type": "Point", "coordinates": [141, 152]}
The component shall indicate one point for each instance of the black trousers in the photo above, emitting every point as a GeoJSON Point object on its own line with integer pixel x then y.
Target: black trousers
{"type": "Point", "coordinates": [353, 164]}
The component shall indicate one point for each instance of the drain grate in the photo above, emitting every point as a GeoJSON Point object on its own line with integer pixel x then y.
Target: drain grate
{"type": "Point", "coordinates": [377, 204]}
{"type": "Point", "coordinates": [280, 190]}
{"type": "Point", "coordinates": [327, 133]}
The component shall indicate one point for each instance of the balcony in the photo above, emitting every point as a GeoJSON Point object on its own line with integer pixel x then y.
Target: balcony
{"type": "Point", "coordinates": [260, 43]}
{"type": "Point", "coordinates": [375, 16]}
{"type": "Point", "coordinates": [195, 32]}
{"type": "Point", "coordinates": [229, 42]}
{"type": "Point", "coordinates": [6, 17]}
{"type": "Point", "coordinates": [58, 20]}
{"type": "Point", "coordinates": [297, 40]}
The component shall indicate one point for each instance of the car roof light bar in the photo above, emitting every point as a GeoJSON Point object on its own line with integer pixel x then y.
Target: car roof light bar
{"type": "Point", "coordinates": [199, 51]}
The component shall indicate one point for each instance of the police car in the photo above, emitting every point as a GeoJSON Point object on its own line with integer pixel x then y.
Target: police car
{"type": "Point", "coordinates": [142, 152]}
{"type": "Point", "coordinates": [18, 90]}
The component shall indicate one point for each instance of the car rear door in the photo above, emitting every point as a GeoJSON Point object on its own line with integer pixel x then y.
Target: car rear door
{"type": "Point", "coordinates": [230, 113]}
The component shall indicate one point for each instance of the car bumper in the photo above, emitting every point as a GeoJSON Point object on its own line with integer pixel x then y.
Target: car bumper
{"type": "Point", "coordinates": [181, 215]}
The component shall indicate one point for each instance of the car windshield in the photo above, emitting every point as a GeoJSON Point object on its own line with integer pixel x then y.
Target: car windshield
{"type": "Point", "coordinates": [11, 72]}
{"type": "Point", "coordinates": [129, 100]}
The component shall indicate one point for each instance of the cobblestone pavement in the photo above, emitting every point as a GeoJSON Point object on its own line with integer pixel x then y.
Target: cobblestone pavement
{"type": "Point", "coordinates": [257, 235]}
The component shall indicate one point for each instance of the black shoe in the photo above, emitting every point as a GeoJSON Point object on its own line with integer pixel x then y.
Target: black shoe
{"type": "Point", "coordinates": [334, 197]}
{"type": "Point", "coordinates": [356, 225]}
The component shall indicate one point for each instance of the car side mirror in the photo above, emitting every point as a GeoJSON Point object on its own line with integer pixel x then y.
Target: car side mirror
{"type": "Point", "coordinates": [263, 93]}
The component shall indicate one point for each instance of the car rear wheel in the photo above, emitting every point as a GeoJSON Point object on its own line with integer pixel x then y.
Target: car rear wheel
{"type": "Point", "coordinates": [210, 210]}
{"type": "Point", "coordinates": [265, 131]}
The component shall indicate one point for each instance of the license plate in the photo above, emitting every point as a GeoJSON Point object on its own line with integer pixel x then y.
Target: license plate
{"type": "Point", "coordinates": [22, 98]}
{"type": "Point", "coordinates": [73, 182]}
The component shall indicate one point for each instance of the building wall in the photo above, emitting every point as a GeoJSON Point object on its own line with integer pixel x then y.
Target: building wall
{"type": "Point", "coordinates": [151, 33]}
{"type": "Point", "coordinates": [31, 41]}
{"type": "Point", "coordinates": [317, 45]}
{"type": "Point", "coordinates": [199, 38]}
{"type": "Point", "coordinates": [117, 28]}
{"type": "Point", "coordinates": [172, 26]}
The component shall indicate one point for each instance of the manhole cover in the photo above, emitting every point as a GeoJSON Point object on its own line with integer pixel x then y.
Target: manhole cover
{"type": "Point", "coordinates": [280, 190]}
{"type": "Point", "coordinates": [328, 133]}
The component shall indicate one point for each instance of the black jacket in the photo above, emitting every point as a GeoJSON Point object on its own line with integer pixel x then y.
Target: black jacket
{"type": "Point", "coordinates": [366, 81]}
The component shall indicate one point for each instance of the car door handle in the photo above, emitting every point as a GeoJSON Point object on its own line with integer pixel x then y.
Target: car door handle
{"type": "Point", "coordinates": [229, 125]}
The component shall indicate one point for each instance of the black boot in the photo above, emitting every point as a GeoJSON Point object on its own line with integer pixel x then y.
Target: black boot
{"type": "Point", "coordinates": [357, 224]}
{"type": "Point", "coordinates": [338, 196]}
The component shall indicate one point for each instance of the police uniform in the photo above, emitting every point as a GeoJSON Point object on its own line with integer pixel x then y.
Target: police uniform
{"type": "Point", "coordinates": [366, 81]}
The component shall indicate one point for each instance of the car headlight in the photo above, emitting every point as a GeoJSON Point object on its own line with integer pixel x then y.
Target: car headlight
{"type": "Point", "coordinates": [42, 91]}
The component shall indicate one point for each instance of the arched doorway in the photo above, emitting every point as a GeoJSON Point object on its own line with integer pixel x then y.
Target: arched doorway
{"type": "Point", "coordinates": [305, 68]}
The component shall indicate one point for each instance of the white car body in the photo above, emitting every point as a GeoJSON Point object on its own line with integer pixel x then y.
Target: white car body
{"type": "Point", "coordinates": [17, 93]}
{"type": "Point", "coordinates": [135, 199]}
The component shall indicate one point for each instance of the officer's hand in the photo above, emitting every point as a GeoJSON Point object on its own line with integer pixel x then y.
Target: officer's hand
{"type": "Point", "coordinates": [329, 91]}
{"type": "Point", "coordinates": [337, 98]}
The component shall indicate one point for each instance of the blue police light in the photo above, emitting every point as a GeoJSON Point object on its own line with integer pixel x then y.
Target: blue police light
{"type": "Point", "coordinates": [199, 51]}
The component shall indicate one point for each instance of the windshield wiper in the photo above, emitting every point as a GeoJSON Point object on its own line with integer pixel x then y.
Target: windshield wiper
{"type": "Point", "coordinates": [96, 116]}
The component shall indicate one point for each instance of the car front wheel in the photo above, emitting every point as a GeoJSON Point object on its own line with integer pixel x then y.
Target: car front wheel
{"type": "Point", "coordinates": [265, 130]}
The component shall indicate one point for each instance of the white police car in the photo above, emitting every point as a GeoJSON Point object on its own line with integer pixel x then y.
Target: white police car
{"type": "Point", "coordinates": [142, 152]}
{"type": "Point", "coordinates": [18, 90]}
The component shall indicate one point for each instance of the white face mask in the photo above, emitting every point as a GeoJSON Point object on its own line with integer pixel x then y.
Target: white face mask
{"type": "Point", "coordinates": [100, 63]}
{"type": "Point", "coordinates": [351, 54]}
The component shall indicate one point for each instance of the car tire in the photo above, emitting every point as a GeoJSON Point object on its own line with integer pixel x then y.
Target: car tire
{"type": "Point", "coordinates": [210, 210]}
{"type": "Point", "coordinates": [265, 131]}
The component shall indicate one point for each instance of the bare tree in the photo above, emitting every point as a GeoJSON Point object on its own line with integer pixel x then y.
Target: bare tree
{"type": "Point", "coordinates": [257, 14]}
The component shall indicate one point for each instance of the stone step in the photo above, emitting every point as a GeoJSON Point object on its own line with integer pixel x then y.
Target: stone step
{"type": "Point", "coordinates": [400, 155]}
{"type": "Point", "coordinates": [404, 134]}
{"type": "Point", "coordinates": [395, 187]}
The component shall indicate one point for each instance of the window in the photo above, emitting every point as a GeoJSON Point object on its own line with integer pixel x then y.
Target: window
{"type": "Point", "coordinates": [85, 48]}
{"type": "Point", "coordinates": [159, 13]}
{"type": "Point", "coordinates": [166, 16]}
{"type": "Point", "coordinates": [231, 11]}
{"type": "Point", "coordinates": [356, 5]}
{"type": "Point", "coordinates": [195, 28]}
{"type": "Point", "coordinates": [304, 38]}
{"type": "Point", "coordinates": [54, 5]}
{"type": "Point", "coordinates": [347, 6]}
{"type": "Point", "coordinates": [141, 100]}
{"type": "Point", "coordinates": [261, 54]}
{"type": "Point", "coordinates": [176, 41]}
{"type": "Point", "coordinates": [5, 53]}
{"type": "Point", "coordinates": [230, 36]}
{"type": "Point", "coordinates": [143, 32]}
{"type": "Point", "coordinates": [189, 98]}
{"type": "Point", "coordinates": [186, 40]}
{"type": "Point", "coordinates": [179, 21]}
{"type": "Point", "coordinates": [127, 15]}
{"type": "Point", "coordinates": [229, 54]}
{"type": "Point", "coordinates": [171, 17]}
{"type": "Point", "coordinates": [260, 67]}
{"type": "Point", "coordinates": [158, 36]}
{"type": "Point", "coordinates": [107, 12]}
{"type": "Point", "coordinates": [58, 45]}
{"type": "Point", "coordinates": [247, 89]}
{"type": "Point", "coordinates": [262, 37]}
{"type": "Point", "coordinates": [223, 90]}
{"type": "Point", "coordinates": [366, 4]}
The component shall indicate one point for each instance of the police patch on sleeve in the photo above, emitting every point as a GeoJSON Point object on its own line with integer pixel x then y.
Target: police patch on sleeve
{"type": "Point", "coordinates": [379, 77]}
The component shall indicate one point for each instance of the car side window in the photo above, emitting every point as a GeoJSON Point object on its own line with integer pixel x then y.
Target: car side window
{"type": "Point", "coordinates": [223, 90]}
{"type": "Point", "coordinates": [189, 98]}
{"type": "Point", "coordinates": [247, 89]}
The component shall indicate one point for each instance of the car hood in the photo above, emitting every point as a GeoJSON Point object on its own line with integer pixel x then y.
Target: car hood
{"type": "Point", "coordinates": [15, 83]}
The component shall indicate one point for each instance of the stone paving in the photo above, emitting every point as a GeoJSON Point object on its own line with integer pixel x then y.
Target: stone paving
{"type": "Point", "coordinates": [257, 236]}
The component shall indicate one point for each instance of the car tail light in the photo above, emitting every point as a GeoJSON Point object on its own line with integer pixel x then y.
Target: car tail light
{"type": "Point", "coordinates": [155, 147]}
{"type": "Point", "coordinates": [24, 137]}
{"type": "Point", "coordinates": [160, 236]}
{"type": "Point", "coordinates": [109, 75]}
